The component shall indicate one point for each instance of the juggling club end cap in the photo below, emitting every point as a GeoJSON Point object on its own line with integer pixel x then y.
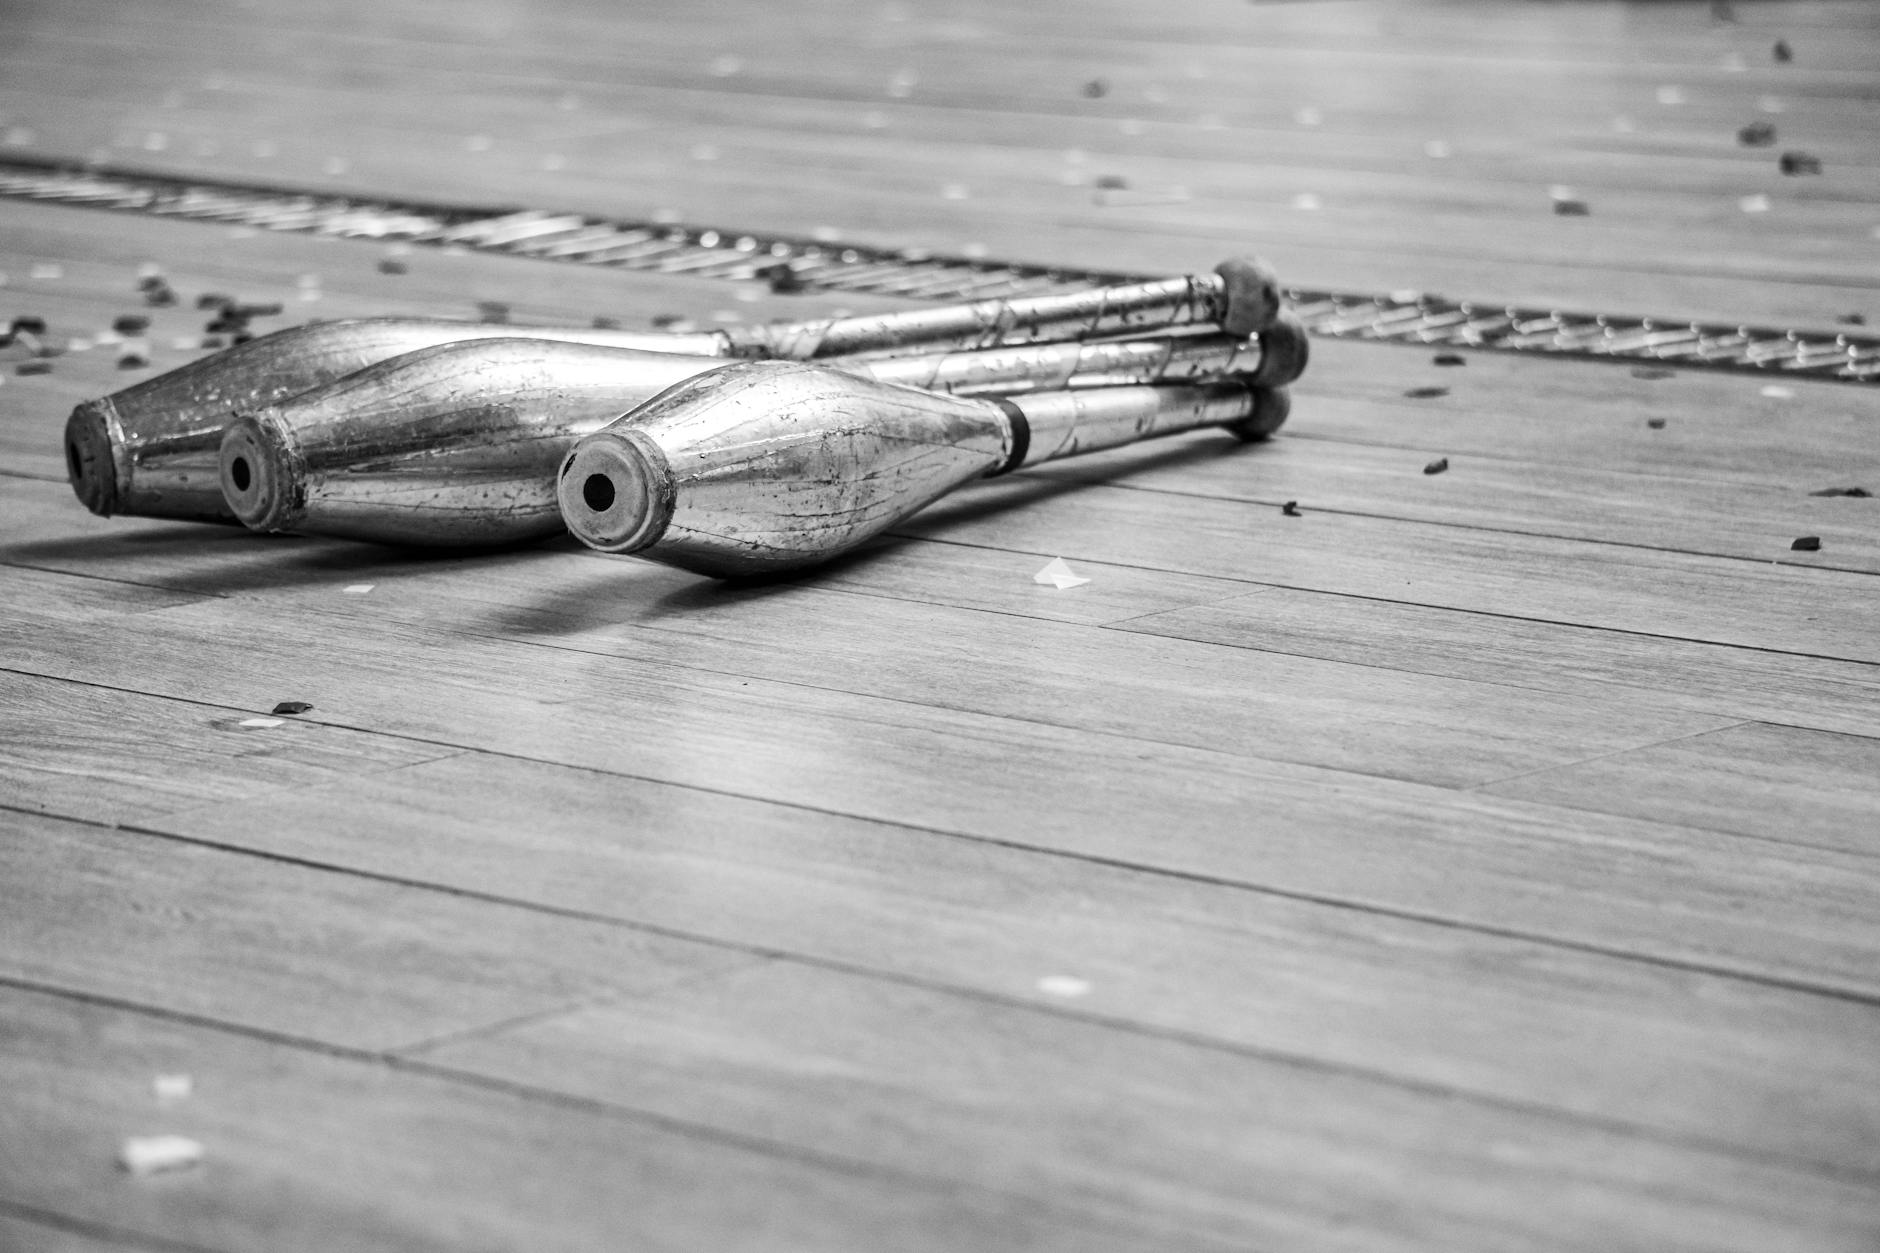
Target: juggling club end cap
{"type": "Point", "coordinates": [1270, 407]}
{"type": "Point", "coordinates": [1284, 351]}
{"type": "Point", "coordinates": [616, 493]}
{"type": "Point", "coordinates": [88, 460]}
{"type": "Point", "coordinates": [1251, 295]}
{"type": "Point", "coordinates": [258, 481]}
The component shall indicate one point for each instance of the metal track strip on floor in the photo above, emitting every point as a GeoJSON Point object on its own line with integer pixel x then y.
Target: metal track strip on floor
{"type": "Point", "coordinates": [798, 263]}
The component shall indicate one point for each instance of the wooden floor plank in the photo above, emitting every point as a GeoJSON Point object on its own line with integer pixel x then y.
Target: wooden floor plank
{"type": "Point", "coordinates": [324, 956]}
{"type": "Point", "coordinates": [1752, 684]}
{"type": "Point", "coordinates": [305, 1151]}
{"type": "Point", "coordinates": [106, 756]}
{"type": "Point", "coordinates": [1140, 689]}
{"type": "Point", "coordinates": [1237, 1147]}
{"type": "Point", "coordinates": [1773, 782]}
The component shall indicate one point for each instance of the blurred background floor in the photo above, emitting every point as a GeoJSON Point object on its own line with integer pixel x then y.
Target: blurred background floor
{"type": "Point", "coordinates": [1483, 859]}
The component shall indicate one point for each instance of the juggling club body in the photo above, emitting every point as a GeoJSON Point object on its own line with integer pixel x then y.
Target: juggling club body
{"type": "Point", "coordinates": [459, 444]}
{"type": "Point", "coordinates": [769, 466]}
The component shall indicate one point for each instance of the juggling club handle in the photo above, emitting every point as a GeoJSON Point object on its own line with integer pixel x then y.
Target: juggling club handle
{"type": "Point", "coordinates": [1241, 296]}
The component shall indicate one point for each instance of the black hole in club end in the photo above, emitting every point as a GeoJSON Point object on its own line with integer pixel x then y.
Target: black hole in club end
{"type": "Point", "coordinates": [598, 492]}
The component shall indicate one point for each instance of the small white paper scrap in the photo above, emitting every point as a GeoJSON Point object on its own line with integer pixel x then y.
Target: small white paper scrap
{"type": "Point", "coordinates": [1436, 148]}
{"type": "Point", "coordinates": [1306, 200]}
{"type": "Point", "coordinates": [1064, 985]}
{"type": "Point", "coordinates": [357, 589]}
{"type": "Point", "coordinates": [1058, 575]}
{"type": "Point", "coordinates": [1308, 116]}
{"type": "Point", "coordinates": [1754, 204]}
{"type": "Point", "coordinates": [172, 1088]}
{"type": "Point", "coordinates": [47, 269]}
{"type": "Point", "coordinates": [260, 724]}
{"type": "Point", "coordinates": [146, 1155]}
{"type": "Point", "coordinates": [1770, 104]}
{"type": "Point", "coordinates": [1775, 392]}
{"type": "Point", "coordinates": [1671, 95]}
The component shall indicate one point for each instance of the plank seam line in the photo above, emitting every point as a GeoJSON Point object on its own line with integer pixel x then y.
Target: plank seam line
{"type": "Point", "coordinates": [1414, 604]}
{"type": "Point", "coordinates": [102, 1232]}
{"type": "Point", "coordinates": [1793, 1163]}
{"type": "Point", "coordinates": [1796, 986]}
{"type": "Point", "coordinates": [760, 1145]}
{"type": "Point", "coordinates": [1617, 752]}
{"type": "Point", "coordinates": [1472, 527]}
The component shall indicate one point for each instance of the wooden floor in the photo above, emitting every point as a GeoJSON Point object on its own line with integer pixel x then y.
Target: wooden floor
{"type": "Point", "coordinates": [1485, 860]}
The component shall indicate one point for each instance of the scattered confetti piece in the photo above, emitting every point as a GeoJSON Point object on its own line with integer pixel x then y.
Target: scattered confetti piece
{"type": "Point", "coordinates": [492, 311]}
{"type": "Point", "coordinates": [1449, 358]}
{"type": "Point", "coordinates": [189, 343]}
{"type": "Point", "coordinates": [1754, 204]}
{"type": "Point", "coordinates": [334, 165]}
{"type": "Point", "coordinates": [357, 589]}
{"type": "Point", "coordinates": [1852, 319]}
{"type": "Point", "coordinates": [704, 152]}
{"type": "Point", "coordinates": [727, 65]}
{"type": "Point", "coordinates": [133, 361]}
{"type": "Point", "coordinates": [1799, 163]}
{"type": "Point", "coordinates": [1656, 424]}
{"type": "Point", "coordinates": [1437, 466]}
{"type": "Point", "coordinates": [261, 724]}
{"type": "Point", "coordinates": [1734, 63]}
{"type": "Point", "coordinates": [1671, 95]}
{"type": "Point", "coordinates": [1308, 116]}
{"type": "Point", "coordinates": [1132, 126]}
{"type": "Point", "coordinates": [1437, 149]}
{"type": "Point", "coordinates": [1806, 544]}
{"type": "Point", "coordinates": [46, 270]}
{"type": "Point", "coordinates": [1058, 575]}
{"type": "Point", "coordinates": [130, 324]}
{"type": "Point", "coordinates": [1842, 491]}
{"type": "Point", "coordinates": [1426, 393]}
{"type": "Point", "coordinates": [292, 707]}
{"type": "Point", "coordinates": [1291, 509]}
{"type": "Point", "coordinates": [783, 279]}
{"type": "Point", "coordinates": [81, 344]}
{"type": "Point", "coordinates": [478, 143]}
{"type": "Point", "coordinates": [1064, 985]}
{"type": "Point", "coordinates": [172, 1088]}
{"type": "Point", "coordinates": [1096, 89]}
{"type": "Point", "coordinates": [33, 367]}
{"type": "Point", "coordinates": [148, 1155]}
{"type": "Point", "coordinates": [902, 84]}
{"type": "Point", "coordinates": [1782, 52]}
{"type": "Point", "coordinates": [1572, 208]}
{"type": "Point", "coordinates": [391, 265]}
{"type": "Point", "coordinates": [1307, 201]}
{"type": "Point", "coordinates": [554, 161]}
{"type": "Point", "coordinates": [1757, 135]}
{"type": "Point", "coordinates": [1623, 125]}
{"type": "Point", "coordinates": [954, 191]}
{"type": "Point", "coordinates": [1776, 391]}
{"type": "Point", "coordinates": [1771, 104]}
{"type": "Point", "coordinates": [31, 323]}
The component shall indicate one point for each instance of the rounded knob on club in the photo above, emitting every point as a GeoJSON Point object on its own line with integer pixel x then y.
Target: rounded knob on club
{"type": "Point", "coordinates": [257, 481]}
{"type": "Point", "coordinates": [616, 492]}
{"type": "Point", "coordinates": [1270, 407]}
{"type": "Point", "coordinates": [1251, 296]}
{"type": "Point", "coordinates": [88, 460]}
{"type": "Point", "coordinates": [1284, 351]}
